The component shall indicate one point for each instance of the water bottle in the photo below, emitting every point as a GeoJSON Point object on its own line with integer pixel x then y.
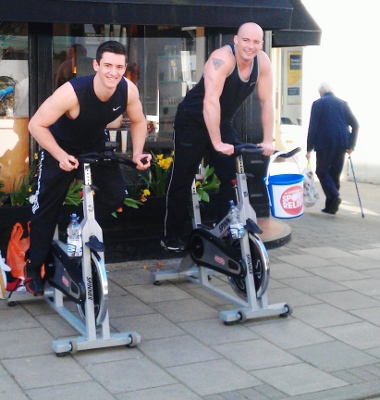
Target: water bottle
{"type": "Point", "coordinates": [236, 227]}
{"type": "Point", "coordinates": [74, 237]}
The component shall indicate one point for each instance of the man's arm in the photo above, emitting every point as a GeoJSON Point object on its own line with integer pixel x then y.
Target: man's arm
{"type": "Point", "coordinates": [138, 126]}
{"type": "Point", "coordinates": [312, 130]}
{"type": "Point", "coordinates": [265, 94]}
{"type": "Point", "coordinates": [63, 100]}
{"type": "Point", "coordinates": [353, 122]}
{"type": "Point", "coordinates": [216, 70]}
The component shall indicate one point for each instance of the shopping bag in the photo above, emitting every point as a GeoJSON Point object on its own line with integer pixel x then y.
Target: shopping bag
{"type": "Point", "coordinates": [310, 193]}
{"type": "Point", "coordinates": [17, 247]}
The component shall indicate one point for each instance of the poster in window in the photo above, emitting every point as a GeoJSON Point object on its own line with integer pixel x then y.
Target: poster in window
{"type": "Point", "coordinates": [294, 77]}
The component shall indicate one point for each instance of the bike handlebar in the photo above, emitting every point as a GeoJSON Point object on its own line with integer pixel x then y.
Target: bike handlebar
{"type": "Point", "coordinates": [106, 156]}
{"type": "Point", "coordinates": [287, 154]}
{"type": "Point", "coordinates": [109, 156]}
{"type": "Point", "coordinates": [243, 148]}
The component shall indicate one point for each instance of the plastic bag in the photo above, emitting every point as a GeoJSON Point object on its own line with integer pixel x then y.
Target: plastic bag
{"type": "Point", "coordinates": [310, 193]}
{"type": "Point", "coordinates": [17, 247]}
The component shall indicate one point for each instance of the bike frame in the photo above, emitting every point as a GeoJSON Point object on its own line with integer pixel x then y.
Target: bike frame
{"type": "Point", "coordinates": [256, 304]}
{"type": "Point", "coordinates": [95, 330]}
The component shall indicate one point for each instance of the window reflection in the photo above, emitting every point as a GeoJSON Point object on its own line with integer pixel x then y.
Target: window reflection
{"type": "Point", "coordinates": [14, 103]}
{"type": "Point", "coordinates": [161, 62]}
{"type": "Point", "coordinates": [75, 65]}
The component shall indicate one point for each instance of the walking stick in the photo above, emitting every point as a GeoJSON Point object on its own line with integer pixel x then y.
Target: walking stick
{"type": "Point", "coordinates": [356, 185]}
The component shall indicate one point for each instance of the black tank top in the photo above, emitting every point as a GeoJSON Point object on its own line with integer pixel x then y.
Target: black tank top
{"type": "Point", "coordinates": [86, 132]}
{"type": "Point", "coordinates": [234, 93]}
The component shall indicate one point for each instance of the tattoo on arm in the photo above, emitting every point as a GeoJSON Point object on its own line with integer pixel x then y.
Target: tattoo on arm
{"type": "Point", "coordinates": [217, 63]}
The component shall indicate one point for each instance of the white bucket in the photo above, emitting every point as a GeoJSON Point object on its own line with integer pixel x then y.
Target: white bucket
{"type": "Point", "coordinates": [285, 192]}
{"type": "Point", "coordinates": [286, 195]}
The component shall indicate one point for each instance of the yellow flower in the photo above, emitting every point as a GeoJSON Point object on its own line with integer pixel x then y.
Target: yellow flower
{"type": "Point", "coordinates": [165, 163]}
{"type": "Point", "coordinates": [197, 184]}
{"type": "Point", "coordinates": [146, 192]}
{"type": "Point", "coordinates": [159, 157]}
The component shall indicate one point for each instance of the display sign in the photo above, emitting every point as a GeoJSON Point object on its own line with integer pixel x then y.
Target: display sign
{"type": "Point", "coordinates": [294, 77]}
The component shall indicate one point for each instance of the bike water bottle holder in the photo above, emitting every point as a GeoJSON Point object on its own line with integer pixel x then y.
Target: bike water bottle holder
{"type": "Point", "coordinates": [210, 251]}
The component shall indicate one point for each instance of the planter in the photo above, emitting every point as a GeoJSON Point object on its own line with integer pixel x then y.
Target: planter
{"type": "Point", "coordinates": [133, 235]}
{"type": "Point", "coordinates": [136, 223]}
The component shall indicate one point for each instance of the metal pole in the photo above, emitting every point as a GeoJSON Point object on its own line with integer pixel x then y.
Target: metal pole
{"type": "Point", "coordinates": [356, 185]}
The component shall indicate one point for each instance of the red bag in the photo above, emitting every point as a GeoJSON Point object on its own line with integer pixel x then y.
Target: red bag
{"type": "Point", "coordinates": [17, 247]}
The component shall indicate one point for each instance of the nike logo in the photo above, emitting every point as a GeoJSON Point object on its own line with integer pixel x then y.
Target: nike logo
{"type": "Point", "coordinates": [116, 108]}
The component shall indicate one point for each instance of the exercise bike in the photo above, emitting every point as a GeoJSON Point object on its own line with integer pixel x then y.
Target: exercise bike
{"type": "Point", "coordinates": [245, 261]}
{"type": "Point", "coordinates": [83, 280]}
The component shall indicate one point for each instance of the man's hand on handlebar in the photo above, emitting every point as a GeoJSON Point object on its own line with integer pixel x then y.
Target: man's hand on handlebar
{"type": "Point", "coordinates": [68, 163]}
{"type": "Point", "coordinates": [268, 148]}
{"type": "Point", "coordinates": [142, 161]}
{"type": "Point", "coordinates": [225, 148]}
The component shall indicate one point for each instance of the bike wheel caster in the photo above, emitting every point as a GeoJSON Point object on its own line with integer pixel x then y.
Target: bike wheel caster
{"type": "Point", "coordinates": [242, 316]}
{"type": "Point", "coordinates": [134, 340]}
{"type": "Point", "coordinates": [74, 347]}
{"type": "Point", "coordinates": [288, 312]}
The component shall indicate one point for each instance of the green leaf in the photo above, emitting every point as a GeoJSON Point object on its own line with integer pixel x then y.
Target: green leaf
{"type": "Point", "coordinates": [203, 195]}
{"type": "Point", "coordinates": [208, 172]}
{"type": "Point", "coordinates": [214, 184]}
{"type": "Point", "coordinates": [132, 202]}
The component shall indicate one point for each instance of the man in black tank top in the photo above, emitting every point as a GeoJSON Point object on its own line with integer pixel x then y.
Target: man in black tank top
{"type": "Point", "coordinates": [204, 121]}
{"type": "Point", "coordinates": [73, 121]}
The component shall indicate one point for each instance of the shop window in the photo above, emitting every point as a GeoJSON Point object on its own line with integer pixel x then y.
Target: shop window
{"type": "Point", "coordinates": [162, 62]}
{"type": "Point", "coordinates": [14, 103]}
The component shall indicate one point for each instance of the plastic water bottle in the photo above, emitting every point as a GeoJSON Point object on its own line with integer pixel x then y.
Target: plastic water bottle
{"type": "Point", "coordinates": [74, 237]}
{"type": "Point", "coordinates": [237, 230]}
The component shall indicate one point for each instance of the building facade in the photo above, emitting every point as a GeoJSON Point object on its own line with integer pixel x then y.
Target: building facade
{"type": "Point", "coordinates": [45, 43]}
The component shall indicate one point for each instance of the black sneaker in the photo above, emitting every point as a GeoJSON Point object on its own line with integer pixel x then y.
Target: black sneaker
{"type": "Point", "coordinates": [172, 243]}
{"type": "Point", "coordinates": [33, 282]}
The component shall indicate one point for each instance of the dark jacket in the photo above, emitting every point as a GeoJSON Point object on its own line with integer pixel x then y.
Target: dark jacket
{"type": "Point", "coordinates": [332, 124]}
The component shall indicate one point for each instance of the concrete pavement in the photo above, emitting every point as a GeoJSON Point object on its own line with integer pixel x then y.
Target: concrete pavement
{"type": "Point", "coordinates": [329, 348]}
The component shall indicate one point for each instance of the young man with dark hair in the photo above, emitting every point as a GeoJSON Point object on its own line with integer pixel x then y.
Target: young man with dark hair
{"type": "Point", "coordinates": [73, 121]}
